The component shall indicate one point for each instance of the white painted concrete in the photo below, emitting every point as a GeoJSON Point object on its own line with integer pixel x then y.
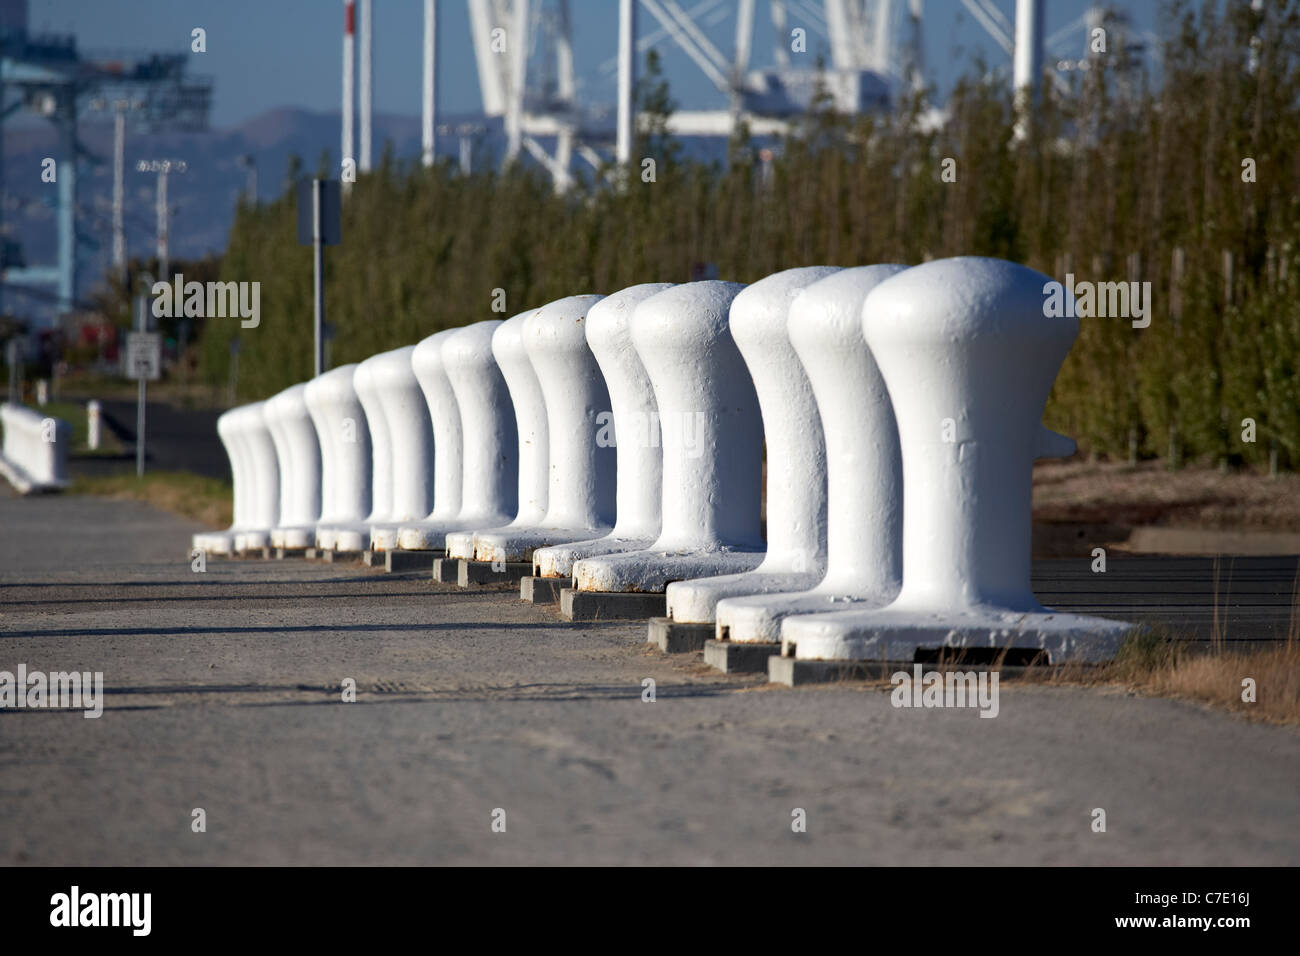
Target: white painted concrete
{"type": "Point", "coordinates": [365, 381]}
{"type": "Point", "coordinates": [223, 542]}
{"type": "Point", "coordinates": [467, 396]}
{"type": "Point", "coordinates": [864, 469]}
{"type": "Point", "coordinates": [444, 452]}
{"type": "Point", "coordinates": [262, 467]}
{"type": "Point", "coordinates": [344, 436]}
{"type": "Point", "coordinates": [298, 449]}
{"type": "Point", "coordinates": [796, 453]}
{"type": "Point", "coordinates": [35, 451]}
{"type": "Point", "coordinates": [530, 424]}
{"type": "Point", "coordinates": [968, 358]}
{"type": "Point", "coordinates": [580, 471]}
{"type": "Point", "coordinates": [712, 442]}
{"type": "Point", "coordinates": [410, 443]}
{"type": "Point", "coordinates": [427, 531]}
{"type": "Point", "coordinates": [633, 419]}
{"type": "Point", "coordinates": [93, 424]}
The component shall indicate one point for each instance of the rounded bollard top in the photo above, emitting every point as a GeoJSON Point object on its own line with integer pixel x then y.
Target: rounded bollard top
{"type": "Point", "coordinates": [290, 401]}
{"type": "Point", "coordinates": [227, 421]}
{"type": "Point", "coordinates": [560, 324]}
{"type": "Point", "coordinates": [609, 321]}
{"type": "Point", "coordinates": [508, 339]}
{"type": "Point", "coordinates": [426, 355]}
{"type": "Point", "coordinates": [763, 307]}
{"type": "Point", "coordinates": [363, 377]}
{"type": "Point", "coordinates": [831, 308]}
{"type": "Point", "coordinates": [386, 367]}
{"type": "Point", "coordinates": [472, 345]}
{"type": "Point", "coordinates": [336, 383]}
{"type": "Point", "coordinates": [251, 415]}
{"type": "Point", "coordinates": [966, 300]}
{"type": "Point", "coordinates": [687, 317]}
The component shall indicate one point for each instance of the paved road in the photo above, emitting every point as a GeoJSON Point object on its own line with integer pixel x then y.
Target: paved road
{"type": "Point", "coordinates": [176, 439]}
{"type": "Point", "coordinates": [223, 695]}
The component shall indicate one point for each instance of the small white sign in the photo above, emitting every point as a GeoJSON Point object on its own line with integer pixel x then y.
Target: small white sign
{"type": "Point", "coordinates": [144, 356]}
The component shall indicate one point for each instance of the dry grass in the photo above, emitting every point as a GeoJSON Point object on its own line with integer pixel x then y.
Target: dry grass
{"type": "Point", "coordinates": [1157, 664]}
{"type": "Point", "coordinates": [206, 500]}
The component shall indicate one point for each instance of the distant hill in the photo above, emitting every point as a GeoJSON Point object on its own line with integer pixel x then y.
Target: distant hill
{"type": "Point", "coordinates": [203, 198]}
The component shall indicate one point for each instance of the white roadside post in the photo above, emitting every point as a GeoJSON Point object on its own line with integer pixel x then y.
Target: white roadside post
{"type": "Point", "coordinates": [263, 468]}
{"type": "Point", "coordinates": [92, 424]}
{"type": "Point", "coordinates": [489, 451]}
{"type": "Point", "coordinates": [409, 432]}
{"type": "Point", "coordinates": [580, 473]}
{"type": "Point", "coordinates": [968, 354]}
{"type": "Point", "coordinates": [530, 426]}
{"type": "Point", "coordinates": [344, 436]}
{"type": "Point", "coordinates": [357, 539]}
{"type": "Point", "coordinates": [864, 475]}
{"type": "Point", "coordinates": [223, 542]}
{"type": "Point", "coordinates": [298, 449]}
{"type": "Point", "coordinates": [633, 427]}
{"type": "Point", "coordinates": [796, 454]}
{"type": "Point", "coordinates": [712, 446]}
{"type": "Point", "coordinates": [425, 535]}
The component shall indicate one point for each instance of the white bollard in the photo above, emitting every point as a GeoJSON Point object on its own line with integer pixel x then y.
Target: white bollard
{"type": "Point", "coordinates": [42, 392]}
{"type": "Point", "coordinates": [796, 453]}
{"type": "Point", "coordinates": [263, 469]}
{"type": "Point", "coordinates": [864, 469]}
{"type": "Point", "coordinates": [530, 424]}
{"type": "Point", "coordinates": [712, 442]}
{"type": "Point", "coordinates": [298, 449]}
{"type": "Point", "coordinates": [344, 436]}
{"type": "Point", "coordinates": [35, 450]}
{"type": "Point", "coordinates": [427, 364]}
{"type": "Point", "coordinates": [478, 430]}
{"type": "Point", "coordinates": [411, 448]}
{"type": "Point", "coordinates": [581, 479]}
{"type": "Point", "coordinates": [223, 542]}
{"type": "Point", "coordinates": [968, 356]}
{"type": "Point", "coordinates": [364, 380]}
{"type": "Point", "coordinates": [92, 425]}
{"type": "Point", "coordinates": [633, 421]}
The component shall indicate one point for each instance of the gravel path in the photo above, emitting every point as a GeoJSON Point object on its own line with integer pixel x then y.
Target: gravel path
{"type": "Point", "coordinates": [222, 692]}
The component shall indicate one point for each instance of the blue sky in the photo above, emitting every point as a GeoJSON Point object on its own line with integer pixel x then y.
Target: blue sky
{"type": "Point", "coordinates": [266, 54]}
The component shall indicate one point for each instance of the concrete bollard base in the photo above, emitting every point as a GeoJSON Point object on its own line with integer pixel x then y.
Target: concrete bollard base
{"type": "Point", "coordinates": [797, 673]}
{"type": "Point", "coordinates": [446, 570]}
{"type": "Point", "coordinates": [679, 637]}
{"type": "Point", "coordinates": [891, 634]}
{"type": "Point", "coordinates": [792, 672]}
{"type": "Point", "coordinates": [539, 590]}
{"type": "Point", "coordinates": [340, 557]}
{"type": "Point", "coordinates": [732, 657]}
{"type": "Point", "coordinates": [474, 573]}
{"type": "Point", "coordinates": [213, 542]}
{"type": "Point", "coordinates": [397, 561]}
{"type": "Point", "coordinates": [251, 543]}
{"type": "Point", "coordinates": [578, 605]}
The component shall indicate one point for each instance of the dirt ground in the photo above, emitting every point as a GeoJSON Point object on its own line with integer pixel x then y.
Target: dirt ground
{"type": "Point", "coordinates": [222, 693]}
